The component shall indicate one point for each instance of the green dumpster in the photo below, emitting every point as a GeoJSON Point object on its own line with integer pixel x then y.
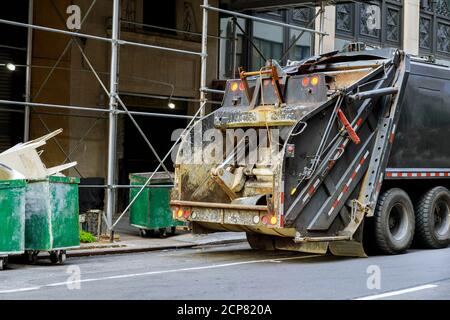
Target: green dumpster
{"type": "Point", "coordinates": [12, 219]}
{"type": "Point", "coordinates": [51, 217]}
{"type": "Point", "coordinates": [151, 211]}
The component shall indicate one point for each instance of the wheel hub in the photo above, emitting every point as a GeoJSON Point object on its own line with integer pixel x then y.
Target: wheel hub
{"type": "Point", "coordinates": [441, 216]}
{"type": "Point", "coordinates": [398, 221]}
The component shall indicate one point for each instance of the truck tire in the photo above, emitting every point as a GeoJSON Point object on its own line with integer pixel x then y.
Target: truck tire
{"type": "Point", "coordinates": [394, 222]}
{"type": "Point", "coordinates": [433, 219]}
{"type": "Point", "coordinates": [3, 263]}
{"type": "Point", "coordinates": [260, 242]}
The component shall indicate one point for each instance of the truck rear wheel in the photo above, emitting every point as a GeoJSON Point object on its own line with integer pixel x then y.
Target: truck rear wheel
{"type": "Point", "coordinates": [394, 222]}
{"type": "Point", "coordinates": [260, 242]}
{"type": "Point", "coordinates": [433, 219]}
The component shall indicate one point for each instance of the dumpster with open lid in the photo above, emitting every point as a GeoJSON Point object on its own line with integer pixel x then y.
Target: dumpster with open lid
{"type": "Point", "coordinates": [51, 217]}
{"type": "Point", "coordinates": [151, 212]}
{"type": "Point", "coordinates": [12, 219]}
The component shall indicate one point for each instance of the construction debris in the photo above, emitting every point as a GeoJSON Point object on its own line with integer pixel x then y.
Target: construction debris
{"type": "Point", "coordinates": [23, 161]}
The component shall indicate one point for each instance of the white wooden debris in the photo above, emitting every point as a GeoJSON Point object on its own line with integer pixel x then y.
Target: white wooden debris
{"type": "Point", "coordinates": [24, 159]}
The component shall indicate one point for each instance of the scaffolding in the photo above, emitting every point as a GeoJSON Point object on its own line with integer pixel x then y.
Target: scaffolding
{"type": "Point", "coordinates": [116, 102]}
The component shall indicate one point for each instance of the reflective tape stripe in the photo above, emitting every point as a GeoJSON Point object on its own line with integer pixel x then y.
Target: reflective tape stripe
{"type": "Point", "coordinates": [335, 204]}
{"type": "Point", "coordinates": [392, 135]}
{"type": "Point", "coordinates": [331, 211]}
{"type": "Point", "coordinates": [346, 142]}
{"type": "Point", "coordinates": [358, 123]}
{"type": "Point", "coordinates": [311, 190]}
{"type": "Point", "coordinates": [347, 185]}
{"type": "Point", "coordinates": [316, 183]}
{"type": "Point", "coordinates": [349, 181]}
{"type": "Point", "coordinates": [306, 198]}
{"type": "Point", "coordinates": [417, 174]}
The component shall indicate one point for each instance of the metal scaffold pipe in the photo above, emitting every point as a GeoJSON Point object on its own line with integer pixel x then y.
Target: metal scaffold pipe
{"type": "Point", "coordinates": [26, 124]}
{"type": "Point", "coordinates": [204, 58]}
{"type": "Point", "coordinates": [213, 90]}
{"type": "Point", "coordinates": [112, 132]}
{"type": "Point", "coordinates": [322, 25]}
{"type": "Point", "coordinates": [93, 37]}
{"type": "Point", "coordinates": [88, 109]}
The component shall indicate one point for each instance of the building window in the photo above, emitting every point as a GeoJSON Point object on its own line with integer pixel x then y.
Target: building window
{"type": "Point", "coordinates": [345, 19]}
{"type": "Point", "coordinates": [393, 25]}
{"type": "Point", "coordinates": [164, 15]}
{"type": "Point", "coordinates": [302, 48]}
{"type": "Point", "coordinates": [269, 40]}
{"type": "Point", "coordinates": [273, 41]}
{"type": "Point", "coordinates": [378, 23]}
{"type": "Point", "coordinates": [434, 28]}
{"type": "Point", "coordinates": [231, 50]}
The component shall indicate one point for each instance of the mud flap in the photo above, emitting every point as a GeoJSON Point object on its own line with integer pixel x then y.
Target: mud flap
{"type": "Point", "coordinates": [307, 247]}
{"type": "Point", "coordinates": [260, 241]}
{"type": "Point", "coordinates": [348, 248]}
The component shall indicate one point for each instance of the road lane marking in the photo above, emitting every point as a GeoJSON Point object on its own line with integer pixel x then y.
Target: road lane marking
{"type": "Point", "coordinates": [21, 290]}
{"type": "Point", "coordinates": [398, 292]}
{"type": "Point", "coordinates": [150, 273]}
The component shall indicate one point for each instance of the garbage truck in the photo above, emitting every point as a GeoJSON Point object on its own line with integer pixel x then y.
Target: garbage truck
{"type": "Point", "coordinates": [350, 156]}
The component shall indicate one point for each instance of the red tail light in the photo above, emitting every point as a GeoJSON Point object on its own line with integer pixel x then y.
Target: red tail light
{"type": "Point", "coordinates": [265, 219]}
{"type": "Point", "coordinates": [305, 81]}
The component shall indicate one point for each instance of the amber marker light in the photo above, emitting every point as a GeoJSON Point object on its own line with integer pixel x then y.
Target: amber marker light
{"type": "Point", "coordinates": [273, 220]}
{"type": "Point", "coordinates": [315, 80]}
{"type": "Point", "coordinates": [234, 86]}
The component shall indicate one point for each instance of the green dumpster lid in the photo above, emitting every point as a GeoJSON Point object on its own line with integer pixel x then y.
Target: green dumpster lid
{"type": "Point", "coordinates": [6, 184]}
{"type": "Point", "coordinates": [158, 178]}
{"type": "Point", "coordinates": [64, 179]}
{"type": "Point", "coordinates": [58, 179]}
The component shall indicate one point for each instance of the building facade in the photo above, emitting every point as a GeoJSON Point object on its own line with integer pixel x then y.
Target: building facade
{"type": "Point", "coordinates": [420, 27]}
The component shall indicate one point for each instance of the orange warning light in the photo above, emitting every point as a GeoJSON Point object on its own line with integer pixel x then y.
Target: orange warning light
{"type": "Point", "coordinates": [315, 80]}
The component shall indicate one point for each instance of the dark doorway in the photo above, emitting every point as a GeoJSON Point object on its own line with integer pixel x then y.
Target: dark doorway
{"type": "Point", "coordinates": [137, 156]}
{"type": "Point", "coordinates": [13, 50]}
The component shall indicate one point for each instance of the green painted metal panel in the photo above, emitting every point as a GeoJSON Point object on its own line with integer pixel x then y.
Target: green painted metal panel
{"type": "Point", "coordinates": [12, 216]}
{"type": "Point", "coordinates": [151, 209]}
{"type": "Point", "coordinates": [51, 214]}
{"type": "Point", "coordinates": [65, 225]}
{"type": "Point", "coordinates": [37, 216]}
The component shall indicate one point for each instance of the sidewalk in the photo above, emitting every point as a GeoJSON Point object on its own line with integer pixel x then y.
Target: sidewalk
{"type": "Point", "coordinates": [130, 241]}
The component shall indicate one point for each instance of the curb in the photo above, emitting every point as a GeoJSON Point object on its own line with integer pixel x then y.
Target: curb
{"type": "Point", "coordinates": [125, 250]}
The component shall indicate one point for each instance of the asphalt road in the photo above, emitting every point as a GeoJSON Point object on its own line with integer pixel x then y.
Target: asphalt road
{"type": "Point", "coordinates": [233, 272]}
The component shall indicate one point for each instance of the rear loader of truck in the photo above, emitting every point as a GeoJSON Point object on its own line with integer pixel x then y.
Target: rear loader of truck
{"type": "Point", "coordinates": [333, 152]}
